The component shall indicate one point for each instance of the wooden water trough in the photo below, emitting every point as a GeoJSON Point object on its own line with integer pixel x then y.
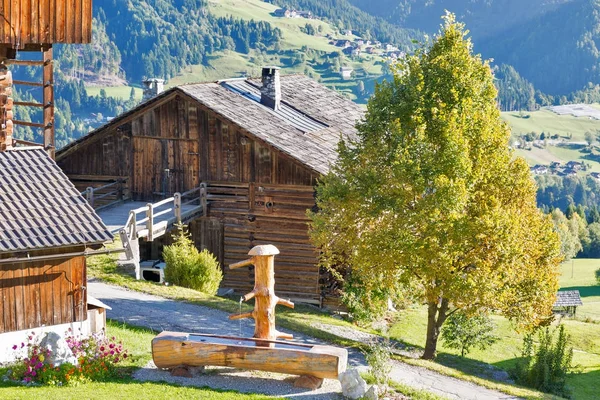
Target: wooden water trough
{"type": "Point", "coordinates": [262, 352]}
{"type": "Point", "coordinates": [173, 349]}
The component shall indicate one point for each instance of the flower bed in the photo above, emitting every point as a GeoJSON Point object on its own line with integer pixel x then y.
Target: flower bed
{"type": "Point", "coordinates": [96, 359]}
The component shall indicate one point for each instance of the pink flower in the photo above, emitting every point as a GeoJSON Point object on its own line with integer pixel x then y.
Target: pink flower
{"type": "Point", "coordinates": [33, 373]}
{"type": "Point", "coordinates": [15, 347]}
{"type": "Point", "coordinates": [22, 344]}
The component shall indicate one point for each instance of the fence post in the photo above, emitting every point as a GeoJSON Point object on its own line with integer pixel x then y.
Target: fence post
{"type": "Point", "coordinates": [177, 206]}
{"type": "Point", "coordinates": [89, 195]}
{"type": "Point", "coordinates": [150, 222]}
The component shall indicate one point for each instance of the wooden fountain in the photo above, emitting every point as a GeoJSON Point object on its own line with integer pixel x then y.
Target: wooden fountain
{"type": "Point", "coordinates": [262, 352]}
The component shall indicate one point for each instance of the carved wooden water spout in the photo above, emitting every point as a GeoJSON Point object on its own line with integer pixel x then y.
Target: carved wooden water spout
{"type": "Point", "coordinates": [265, 300]}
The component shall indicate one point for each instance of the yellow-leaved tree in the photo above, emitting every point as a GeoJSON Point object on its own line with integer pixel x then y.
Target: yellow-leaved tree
{"type": "Point", "coordinates": [430, 197]}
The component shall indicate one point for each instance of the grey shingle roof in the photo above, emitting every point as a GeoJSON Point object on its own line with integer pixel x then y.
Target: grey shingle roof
{"type": "Point", "coordinates": [566, 298]}
{"type": "Point", "coordinates": [315, 148]}
{"type": "Point", "coordinates": [40, 207]}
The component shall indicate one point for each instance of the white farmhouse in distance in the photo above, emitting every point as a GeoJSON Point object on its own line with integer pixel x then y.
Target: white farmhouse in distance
{"type": "Point", "coordinates": [346, 73]}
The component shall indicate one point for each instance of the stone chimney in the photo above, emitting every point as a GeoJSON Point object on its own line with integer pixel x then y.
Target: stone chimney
{"type": "Point", "coordinates": [152, 88]}
{"type": "Point", "coordinates": [270, 92]}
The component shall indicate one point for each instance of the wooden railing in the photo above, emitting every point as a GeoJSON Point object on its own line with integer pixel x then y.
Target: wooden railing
{"type": "Point", "coordinates": [151, 226]}
{"type": "Point", "coordinates": [106, 195]}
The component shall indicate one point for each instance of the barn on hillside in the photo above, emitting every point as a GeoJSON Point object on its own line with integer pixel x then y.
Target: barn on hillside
{"type": "Point", "coordinates": [259, 146]}
{"type": "Point", "coordinates": [45, 228]}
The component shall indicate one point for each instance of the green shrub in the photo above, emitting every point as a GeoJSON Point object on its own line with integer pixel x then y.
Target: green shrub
{"type": "Point", "coordinates": [461, 331]}
{"type": "Point", "coordinates": [188, 267]}
{"type": "Point", "coordinates": [545, 366]}
{"type": "Point", "coordinates": [598, 276]}
{"type": "Point", "coordinates": [378, 356]}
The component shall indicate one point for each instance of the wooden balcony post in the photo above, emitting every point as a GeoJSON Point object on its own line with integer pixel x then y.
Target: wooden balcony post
{"type": "Point", "coordinates": [203, 200]}
{"type": "Point", "coordinates": [89, 194]}
{"type": "Point", "coordinates": [177, 206]}
{"type": "Point", "coordinates": [150, 221]}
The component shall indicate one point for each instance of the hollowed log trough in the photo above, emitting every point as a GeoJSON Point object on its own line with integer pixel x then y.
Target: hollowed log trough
{"type": "Point", "coordinates": [262, 352]}
{"type": "Point", "coordinates": [173, 349]}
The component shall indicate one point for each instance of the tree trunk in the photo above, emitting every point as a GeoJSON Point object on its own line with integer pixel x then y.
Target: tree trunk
{"type": "Point", "coordinates": [436, 315]}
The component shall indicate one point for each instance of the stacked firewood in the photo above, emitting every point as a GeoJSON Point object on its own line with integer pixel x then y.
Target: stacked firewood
{"type": "Point", "coordinates": [6, 104]}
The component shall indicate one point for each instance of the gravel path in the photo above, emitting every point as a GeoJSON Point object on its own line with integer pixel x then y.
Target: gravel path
{"type": "Point", "coordinates": [163, 314]}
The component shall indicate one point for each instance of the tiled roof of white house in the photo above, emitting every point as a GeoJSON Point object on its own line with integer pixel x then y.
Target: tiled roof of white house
{"type": "Point", "coordinates": [40, 207]}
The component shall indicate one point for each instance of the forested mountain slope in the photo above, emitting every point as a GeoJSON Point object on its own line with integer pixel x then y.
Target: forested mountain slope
{"type": "Point", "coordinates": [558, 51]}
{"type": "Point", "coordinates": [483, 17]}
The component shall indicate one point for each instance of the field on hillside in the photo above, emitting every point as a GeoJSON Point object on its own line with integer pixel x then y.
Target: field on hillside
{"type": "Point", "coordinates": [550, 123]}
{"type": "Point", "coordinates": [293, 37]}
{"type": "Point", "coordinates": [122, 92]}
{"type": "Point", "coordinates": [571, 131]}
{"type": "Point", "coordinates": [585, 336]}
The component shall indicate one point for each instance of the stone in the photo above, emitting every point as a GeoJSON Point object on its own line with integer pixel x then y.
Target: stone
{"type": "Point", "coordinates": [60, 352]}
{"type": "Point", "coordinates": [196, 371]}
{"type": "Point", "coordinates": [372, 393]}
{"type": "Point", "coordinates": [353, 385]}
{"type": "Point", "coordinates": [308, 382]}
{"type": "Point", "coordinates": [500, 375]}
{"type": "Point", "coordinates": [181, 371]}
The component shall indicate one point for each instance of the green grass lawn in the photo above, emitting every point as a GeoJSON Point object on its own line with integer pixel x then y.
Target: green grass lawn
{"type": "Point", "coordinates": [137, 342]}
{"type": "Point", "coordinates": [579, 274]}
{"type": "Point", "coordinates": [585, 337]}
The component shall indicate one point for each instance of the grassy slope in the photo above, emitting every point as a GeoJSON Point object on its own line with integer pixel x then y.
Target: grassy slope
{"type": "Point", "coordinates": [585, 336]}
{"type": "Point", "coordinates": [229, 64]}
{"type": "Point", "coordinates": [552, 123]}
{"type": "Point", "coordinates": [122, 92]}
{"type": "Point", "coordinates": [137, 342]}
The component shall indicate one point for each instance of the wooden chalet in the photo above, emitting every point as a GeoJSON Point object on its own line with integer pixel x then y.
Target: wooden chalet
{"type": "Point", "coordinates": [46, 226]}
{"type": "Point", "coordinates": [258, 145]}
{"type": "Point", "coordinates": [567, 302]}
{"type": "Point", "coordinates": [33, 26]}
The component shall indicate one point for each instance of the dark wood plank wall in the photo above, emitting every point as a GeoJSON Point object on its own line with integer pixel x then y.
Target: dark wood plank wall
{"type": "Point", "coordinates": [192, 142]}
{"type": "Point", "coordinates": [41, 293]}
{"type": "Point", "coordinates": [24, 22]}
{"type": "Point", "coordinates": [254, 214]}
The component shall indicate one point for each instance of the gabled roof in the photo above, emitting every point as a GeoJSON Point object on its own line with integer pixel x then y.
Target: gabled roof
{"type": "Point", "coordinates": [567, 298]}
{"type": "Point", "coordinates": [326, 114]}
{"type": "Point", "coordinates": [40, 207]}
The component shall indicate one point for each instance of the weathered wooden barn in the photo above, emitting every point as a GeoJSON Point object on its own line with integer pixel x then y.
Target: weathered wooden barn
{"type": "Point", "coordinates": [259, 146]}
{"type": "Point", "coordinates": [45, 228]}
{"type": "Point", "coordinates": [33, 26]}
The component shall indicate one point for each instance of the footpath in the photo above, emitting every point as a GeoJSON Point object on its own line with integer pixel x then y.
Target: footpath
{"type": "Point", "coordinates": [160, 314]}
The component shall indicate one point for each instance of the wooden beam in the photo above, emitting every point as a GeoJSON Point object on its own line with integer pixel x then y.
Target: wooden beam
{"type": "Point", "coordinates": [48, 100]}
{"type": "Point", "coordinates": [24, 62]}
{"type": "Point", "coordinates": [27, 104]}
{"type": "Point", "coordinates": [31, 124]}
{"type": "Point", "coordinates": [26, 83]}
